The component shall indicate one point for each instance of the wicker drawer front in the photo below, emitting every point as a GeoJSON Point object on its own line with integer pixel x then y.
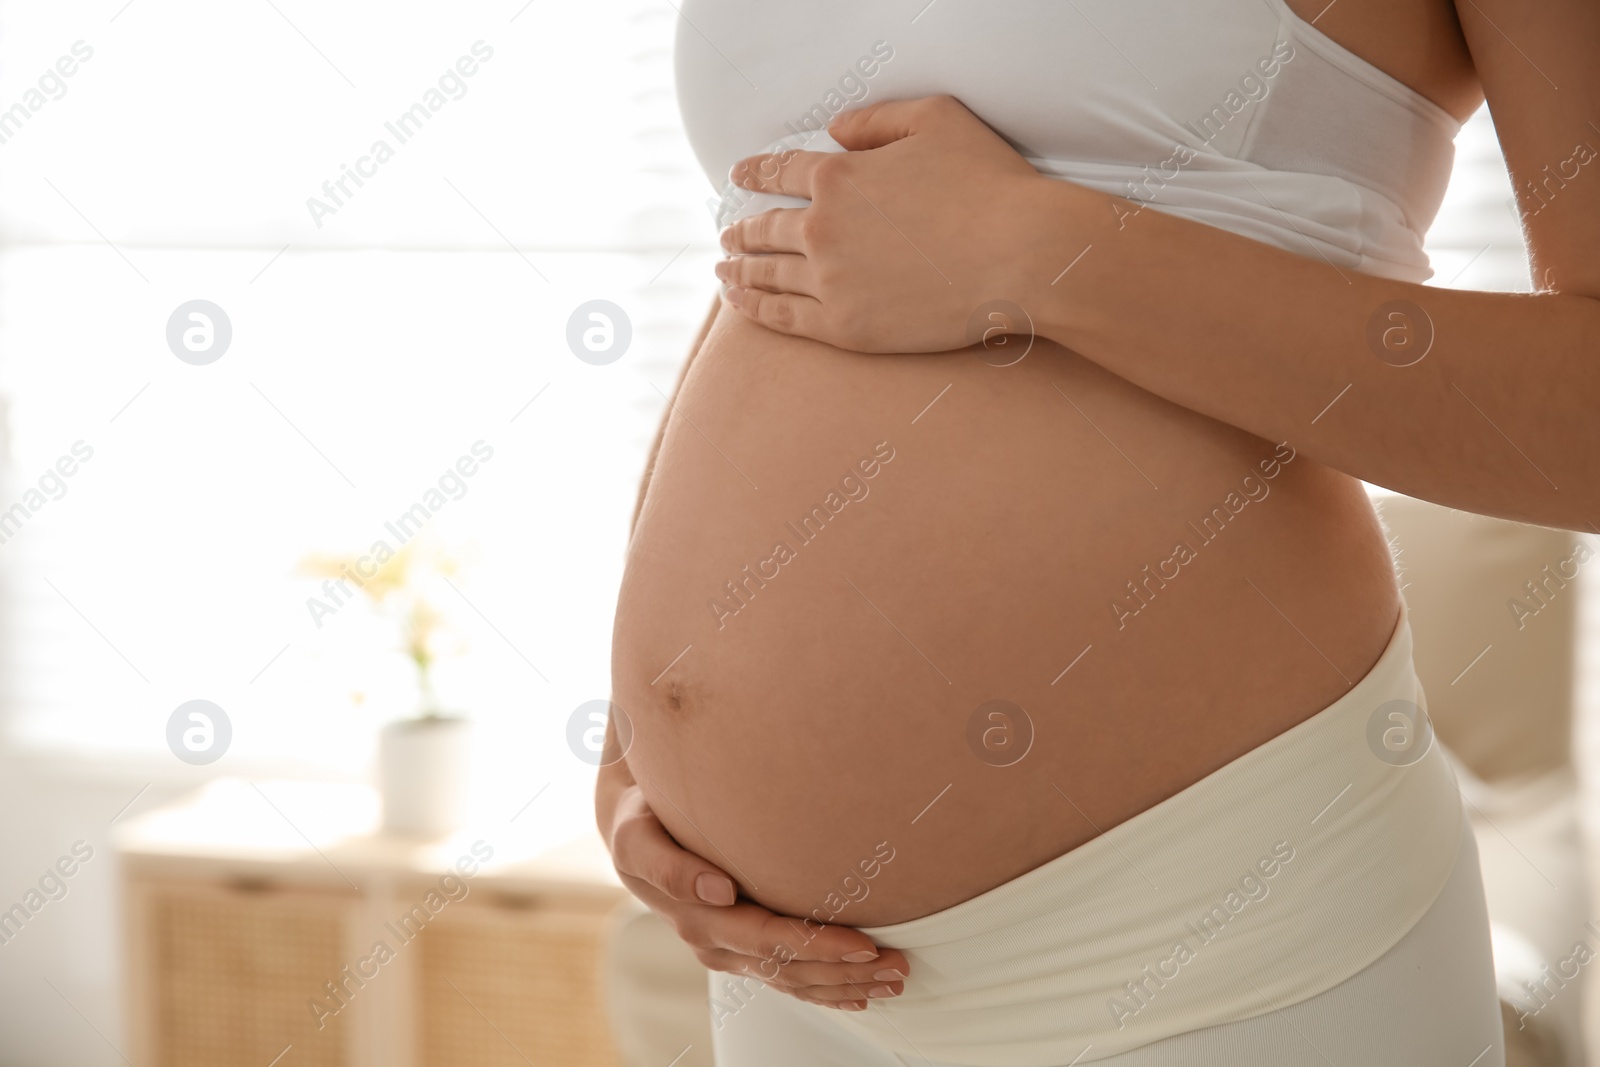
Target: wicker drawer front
{"type": "Point", "coordinates": [506, 985]}
{"type": "Point", "coordinates": [231, 971]}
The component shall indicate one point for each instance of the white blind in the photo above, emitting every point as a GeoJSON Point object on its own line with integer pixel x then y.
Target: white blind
{"type": "Point", "coordinates": [427, 312]}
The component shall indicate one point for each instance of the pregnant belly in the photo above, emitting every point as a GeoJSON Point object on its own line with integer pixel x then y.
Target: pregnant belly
{"type": "Point", "coordinates": [897, 629]}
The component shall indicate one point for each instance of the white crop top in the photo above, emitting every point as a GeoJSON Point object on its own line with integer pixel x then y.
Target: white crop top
{"type": "Point", "coordinates": [1235, 113]}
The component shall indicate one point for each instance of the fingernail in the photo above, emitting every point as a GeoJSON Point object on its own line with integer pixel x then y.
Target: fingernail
{"type": "Point", "coordinates": [864, 956]}
{"type": "Point", "coordinates": [725, 238]}
{"type": "Point", "coordinates": [854, 1005]}
{"type": "Point", "coordinates": [888, 974]}
{"type": "Point", "coordinates": [714, 889]}
{"type": "Point", "coordinates": [735, 295]}
{"type": "Point", "coordinates": [880, 991]}
{"type": "Point", "coordinates": [723, 268]}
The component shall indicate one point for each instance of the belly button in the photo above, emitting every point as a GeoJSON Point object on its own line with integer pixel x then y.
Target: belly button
{"type": "Point", "coordinates": [681, 695]}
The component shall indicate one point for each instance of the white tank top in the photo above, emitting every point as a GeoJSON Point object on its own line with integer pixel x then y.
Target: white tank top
{"type": "Point", "coordinates": [1235, 113]}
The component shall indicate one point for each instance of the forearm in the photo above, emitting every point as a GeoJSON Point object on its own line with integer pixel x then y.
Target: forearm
{"type": "Point", "coordinates": [1499, 417]}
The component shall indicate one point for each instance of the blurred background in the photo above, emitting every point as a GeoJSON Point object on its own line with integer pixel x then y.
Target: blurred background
{"type": "Point", "coordinates": [360, 348]}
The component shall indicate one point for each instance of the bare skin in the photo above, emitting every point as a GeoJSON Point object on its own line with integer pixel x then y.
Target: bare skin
{"type": "Point", "coordinates": [817, 722]}
{"type": "Point", "coordinates": [979, 559]}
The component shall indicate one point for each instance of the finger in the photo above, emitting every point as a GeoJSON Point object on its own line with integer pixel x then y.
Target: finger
{"type": "Point", "coordinates": [641, 848]}
{"type": "Point", "coordinates": [830, 944]}
{"type": "Point", "coordinates": [782, 979]}
{"type": "Point", "coordinates": [804, 974]}
{"type": "Point", "coordinates": [776, 230]}
{"type": "Point", "coordinates": [788, 172]}
{"type": "Point", "coordinates": [833, 994]}
{"type": "Point", "coordinates": [783, 312]}
{"type": "Point", "coordinates": [888, 121]}
{"type": "Point", "coordinates": [774, 272]}
{"type": "Point", "coordinates": [751, 930]}
{"type": "Point", "coordinates": [842, 1005]}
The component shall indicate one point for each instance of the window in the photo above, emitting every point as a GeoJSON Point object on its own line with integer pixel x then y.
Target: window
{"type": "Point", "coordinates": [391, 311]}
{"type": "Point", "coordinates": [383, 325]}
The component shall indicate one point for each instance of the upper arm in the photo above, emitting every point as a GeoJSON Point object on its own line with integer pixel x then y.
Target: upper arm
{"type": "Point", "coordinates": [1536, 62]}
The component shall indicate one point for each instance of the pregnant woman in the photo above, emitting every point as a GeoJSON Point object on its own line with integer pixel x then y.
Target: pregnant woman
{"type": "Point", "coordinates": [1010, 668]}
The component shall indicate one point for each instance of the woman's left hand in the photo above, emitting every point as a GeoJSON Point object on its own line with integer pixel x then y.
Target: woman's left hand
{"type": "Point", "coordinates": [927, 217]}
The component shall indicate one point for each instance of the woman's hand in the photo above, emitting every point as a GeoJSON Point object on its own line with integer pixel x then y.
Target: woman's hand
{"type": "Point", "coordinates": [834, 966]}
{"type": "Point", "coordinates": [926, 219]}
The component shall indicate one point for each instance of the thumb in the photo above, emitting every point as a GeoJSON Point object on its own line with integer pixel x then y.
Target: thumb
{"type": "Point", "coordinates": [875, 125]}
{"type": "Point", "coordinates": [642, 848]}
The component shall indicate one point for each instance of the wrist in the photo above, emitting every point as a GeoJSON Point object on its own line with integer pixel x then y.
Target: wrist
{"type": "Point", "coordinates": [1070, 233]}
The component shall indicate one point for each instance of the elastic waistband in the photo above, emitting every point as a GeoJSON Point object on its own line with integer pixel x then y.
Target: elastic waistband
{"type": "Point", "coordinates": [1263, 884]}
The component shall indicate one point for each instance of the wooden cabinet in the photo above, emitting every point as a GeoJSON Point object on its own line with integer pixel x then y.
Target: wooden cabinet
{"type": "Point", "coordinates": [354, 950]}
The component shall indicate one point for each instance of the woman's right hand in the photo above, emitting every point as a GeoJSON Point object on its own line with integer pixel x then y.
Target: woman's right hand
{"type": "Point", "coordinates": [833, 966]}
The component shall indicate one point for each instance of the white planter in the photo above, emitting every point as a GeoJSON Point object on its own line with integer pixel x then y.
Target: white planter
{"type": "Point", "coordinates": [422, 775]}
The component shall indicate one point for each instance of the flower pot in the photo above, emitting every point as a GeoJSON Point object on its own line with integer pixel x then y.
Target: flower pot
{"type": "Point", "coordinates": [423, 774]}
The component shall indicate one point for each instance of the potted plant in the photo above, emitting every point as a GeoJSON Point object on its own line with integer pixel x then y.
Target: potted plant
{"type": "Point", "coordinates": [423, 758]}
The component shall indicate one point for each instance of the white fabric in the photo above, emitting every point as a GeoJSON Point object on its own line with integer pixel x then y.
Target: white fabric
{"type": "Point", "coordinates": [1164, 102]}
{"type": "Point", "coordinates": [1429, 1000]}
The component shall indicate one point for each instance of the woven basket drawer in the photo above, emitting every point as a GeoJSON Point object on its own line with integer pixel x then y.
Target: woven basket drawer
{"type": "Point", "coordinates": [511, 981]}
{"type": "Point", "coordinates": [230, 972]}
